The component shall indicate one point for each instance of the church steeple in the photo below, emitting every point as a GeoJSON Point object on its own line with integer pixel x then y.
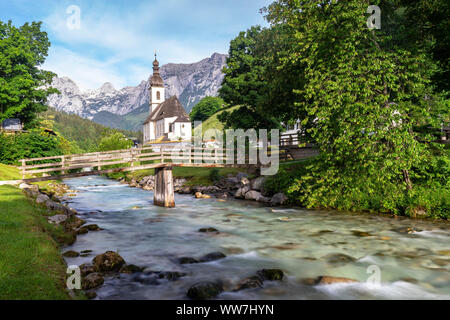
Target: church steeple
{"type": "Point", "coordinates": [157, 91]}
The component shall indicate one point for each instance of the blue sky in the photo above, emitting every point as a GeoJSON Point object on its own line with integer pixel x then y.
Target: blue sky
{"type": "Point", "coordinates": [117, 39]}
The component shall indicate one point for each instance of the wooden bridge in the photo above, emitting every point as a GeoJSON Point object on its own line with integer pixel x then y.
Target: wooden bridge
{"type": "Point", "coordinates": [98, 163]}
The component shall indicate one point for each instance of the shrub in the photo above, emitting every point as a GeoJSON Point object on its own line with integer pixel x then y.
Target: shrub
{"type": "Point", "coordinates": [28, 145]}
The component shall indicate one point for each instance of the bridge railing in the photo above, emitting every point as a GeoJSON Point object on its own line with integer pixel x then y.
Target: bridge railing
{"type": "Point", "coordinates": [132, 159]}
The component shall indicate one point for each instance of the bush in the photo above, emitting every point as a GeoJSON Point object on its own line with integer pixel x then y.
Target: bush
{"type": "Point", "coordinates": [28, 145]}
{"type": "Point", "coordinates": [430, 193]}
{"type": "Point", "coordinates": [115, 141]}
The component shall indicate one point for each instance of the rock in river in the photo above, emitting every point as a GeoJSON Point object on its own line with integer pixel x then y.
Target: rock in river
{"type": "Point", "coordinates": [271, 274]}
{"type": "Point", "coordinates": [86, 269]}
{"type": "Point", "coordinates": [92, 280]}
{"type": "Point", "coordinates": [278, 199]}
{"type": "Point", "coordinates": [205, 290]}
{"type": "Point", "coordinates": [109, 261]}
{"type": "Point", "coordinates": [187, 260]}
{"type": "Point", "coordinates": [212, 257]}
{"type": "Point", "coordinates": [71, 254]}
{"type": "Point", "coordinates": [130, 268]}
{"type": "Point", "coordinates": [249, 283]}
{"type": "Point", "coordinates": [208, 230]}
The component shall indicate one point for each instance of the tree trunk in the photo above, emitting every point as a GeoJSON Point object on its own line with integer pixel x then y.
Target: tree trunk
{"type": "Point", "coordinates": [407, 179]}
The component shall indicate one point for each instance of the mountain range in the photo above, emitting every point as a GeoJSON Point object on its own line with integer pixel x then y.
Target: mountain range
{"type": "Point", "coordinates": [128, 107]}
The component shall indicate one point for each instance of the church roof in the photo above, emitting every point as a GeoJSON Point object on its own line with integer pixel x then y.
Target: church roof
{"type": "Point", "coordinates": [169, 109]}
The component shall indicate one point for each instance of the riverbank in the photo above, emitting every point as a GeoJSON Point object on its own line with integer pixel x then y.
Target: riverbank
{"type": "Point", "coordinates": [271, 191]}
{"type": "Point", "coordinates": [31, 266]}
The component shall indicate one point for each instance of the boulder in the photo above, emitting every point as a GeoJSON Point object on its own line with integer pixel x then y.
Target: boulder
{"type": "Point", "coordinates": [256, 184]}
{"type": "Point", "coordinates": [57, 219]}
{"type": "Point", "coordinates": [208, 230]}
{"type": "Point", "coordinates": [42, 198]}
{"type": "Point", "coordinates": [205, 290]}
{"type": "Point", "coordinates": [278, 199]}
{"type": "Point", "coordinates": [185, 190]}
{"type": "Point", "coordinates": [212, 257]}
{"type": "Point", "coordinates": [73, 223]}
{"type": "Point", "coordinates": [264, 199]}
{"type": "Point", "coordinates": [252, 195]}
{"type": "Point", "coordinates": [32, 192]}
{"type": "Point", "coordinates": [90, 294]}
{"type": "Point", "coordinates": [109, 261]}
{"type": "Point", "coordinates": [130, 268]}
{"type": "Point", "coordinates": [91, 227]}
{"type": "Point", "coordinates": [71, 254]}
{"type": "Point", "coordinates": [86, 269]}
{"type": "Point", "coordinates": [240, 193]}
{"type": "Point", "coordinates": [271, 274]}
{"type": "Point", "coordinates": [249, 283]}
{"type": "Point", "coordinates": [187, 260]}
{"type": "Point", "coordinates": [198, 195]}
{"type": "Point", "coordinates": [92, 280]}
{"type": "Point", "coordinates": [244, 182]}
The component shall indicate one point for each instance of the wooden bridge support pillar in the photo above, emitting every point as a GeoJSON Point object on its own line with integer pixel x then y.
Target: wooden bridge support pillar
{"type": "Point", "coordinates": [164, 194]}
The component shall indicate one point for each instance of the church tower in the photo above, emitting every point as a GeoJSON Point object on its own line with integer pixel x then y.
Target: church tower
{"type": "Point", "coordinates": [157, 90]}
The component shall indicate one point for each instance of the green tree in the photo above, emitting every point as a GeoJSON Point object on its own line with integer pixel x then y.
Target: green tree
{"type": "Point", "coordinates": [362, 91]}
{"type": "Point", "coordinates": [23, 84]}
{"type": "Point", "coordinates": [244, 83]}
{"type": "Point", "coordinates": [115, 141]}
{"type": "Point", "coordinates": [206, 108]}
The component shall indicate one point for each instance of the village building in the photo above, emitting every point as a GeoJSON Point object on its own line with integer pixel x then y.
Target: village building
{"type": "Point", "coordinates": [168, 121]}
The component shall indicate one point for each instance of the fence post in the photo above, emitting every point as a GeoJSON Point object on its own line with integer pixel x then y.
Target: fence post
{"type": "Point", "coordinates": [132, 157]}
{"type": "Point", "coordinates": [63, 164]}
{"type": "Point", "coordinates": [98, 162]}
{"type": "Point", "coordinates": [162, 154]}
{"type": "Point", "coordinates": [23, 168]}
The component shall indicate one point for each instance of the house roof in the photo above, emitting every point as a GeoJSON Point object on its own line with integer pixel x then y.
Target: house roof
{"type": "Point", "coordinates": [169, 109]}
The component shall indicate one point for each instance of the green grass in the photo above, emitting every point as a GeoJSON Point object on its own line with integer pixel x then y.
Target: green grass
{"type": "Point", "coordinates": [31, 266]}
{"type": "Point", "coordinates": [9, 173]}
{"type": "Point", "coordinates": [214, 123]}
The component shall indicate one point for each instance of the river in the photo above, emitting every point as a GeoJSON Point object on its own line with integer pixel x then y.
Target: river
{"type": "Point", "coordinates": [303, 243]}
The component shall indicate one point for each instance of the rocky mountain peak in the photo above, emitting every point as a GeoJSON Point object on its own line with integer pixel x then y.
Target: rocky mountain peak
{"type": "Point", "coordinates": [190, 82]}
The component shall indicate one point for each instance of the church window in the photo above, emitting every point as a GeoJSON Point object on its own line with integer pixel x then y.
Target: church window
{"type": "Point", "coordinates": [158, 95]}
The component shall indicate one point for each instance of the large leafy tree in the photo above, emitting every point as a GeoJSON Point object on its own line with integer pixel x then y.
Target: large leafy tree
{"type": "Point", "coordinates": [23, 84]}
{"type": "Point", "coordinates": [244, 83]}
{"type": "Point", "coordinates": [206, 108]}
{"type": "Point", "coordinates": [362, 90]}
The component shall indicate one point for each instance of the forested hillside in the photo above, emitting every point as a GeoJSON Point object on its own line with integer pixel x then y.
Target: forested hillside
{"type": "Point", "coordinates": [87, 134]}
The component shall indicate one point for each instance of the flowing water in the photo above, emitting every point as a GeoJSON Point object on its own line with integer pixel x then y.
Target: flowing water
{"type": "Point", "coordinates": [303, 243]}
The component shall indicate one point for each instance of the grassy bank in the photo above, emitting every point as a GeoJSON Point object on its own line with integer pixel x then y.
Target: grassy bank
{"type": "Point", "coordinates": [31, 266]}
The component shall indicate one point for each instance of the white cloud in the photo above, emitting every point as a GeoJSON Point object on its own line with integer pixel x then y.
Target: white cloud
{"type": "Point", "coordinates": [87, 73]}
{"type": "Point", "coordinates": [116, 43]}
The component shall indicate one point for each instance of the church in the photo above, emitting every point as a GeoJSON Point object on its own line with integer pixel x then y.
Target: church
{"type": "Point", "coordinates": [168, 121]}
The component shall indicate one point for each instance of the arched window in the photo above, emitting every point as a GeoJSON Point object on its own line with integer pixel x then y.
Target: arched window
{"type": "Point", "coordinates": [158, 95]}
